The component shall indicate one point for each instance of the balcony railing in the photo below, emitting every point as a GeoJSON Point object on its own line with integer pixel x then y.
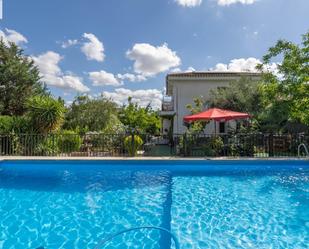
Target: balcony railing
{"type": "Point", "coordinates": [168, 105]}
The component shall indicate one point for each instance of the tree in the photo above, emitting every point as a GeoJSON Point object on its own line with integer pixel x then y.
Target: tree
{"type": "Point", "coordinates": [6, 124]}
{"type": "Point", "coordinates": [243, 95]}
{"type": "Point", "coordinates": [19, 80]}
{"type": "Point", "coordinates": [275, 110]}
{"type": "Point", "coordinates": [88, 114]}
{"type": "Point", "coordinates": [197, 107]}
{"type": "Point", "coordinates": [289, 89]}
{"type": "Point", "coordinates": [46, 114]}
{"type": "Point", "coordinates": [141, 119]}
{"type": "Point", "coordinates": [14, 124]}
{"type": "Point", "coordinates": [114, 126]}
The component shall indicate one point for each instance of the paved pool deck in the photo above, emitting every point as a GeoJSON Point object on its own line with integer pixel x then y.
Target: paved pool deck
{"type": "Point", "coordinates": [14, 158]}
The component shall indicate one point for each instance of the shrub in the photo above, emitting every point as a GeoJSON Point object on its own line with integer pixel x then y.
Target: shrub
{"type": "Point", "coordinates": [46, 146]}
{"type": "Point", "coordinates": [9, 141]}
{"type": "Point", "coordinates": [133, 146]}
{"type": "Point", "coordinates": [217, 145]}
{"type": "Point", "coordinates": [14, 124]}
{"type": "Point", "coordinates": [114, 126]}
{"type": "Point", "coordinates": [214, 146]}
{"type": "Point", "coordinates": [241, 145]}
{"type": "Point", "coordinates": [103, 142]}
{"type": "Point", "coordinates": [10, 145]}
{"type": "Point", "coordinates": [46, 113]}
{"type": "Point", "coordinates": [232, 150]}
{"type": "Point", "coordinates": [6, 124]}
{"type": "Point", "coordinates": [69, 141]}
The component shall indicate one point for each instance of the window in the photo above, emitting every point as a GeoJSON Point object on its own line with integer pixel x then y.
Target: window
{"type": "Point", "coordinates": [222, 127]}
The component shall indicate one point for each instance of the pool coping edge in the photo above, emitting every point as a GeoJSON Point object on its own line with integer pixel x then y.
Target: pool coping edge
{"type": "Point", "coordinates": [21, 158]}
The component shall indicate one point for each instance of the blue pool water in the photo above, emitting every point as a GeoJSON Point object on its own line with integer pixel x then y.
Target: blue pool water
{"type": "Point", "coordinates": [206, 204]}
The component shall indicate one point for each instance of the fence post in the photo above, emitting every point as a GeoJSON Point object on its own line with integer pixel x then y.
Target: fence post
{"type": "Point", "coordinates": [185, 144]}
{"type": "Point", "coordinates": [132, 144]}
{"type": "Point", "coordinates": [53, 139]}
{"type": "Point", "coordinates": [271, 144]}
{"type": "Point", "coordinates": [225, 145]}
{"type": "Point", "coordinates": [172, 144]}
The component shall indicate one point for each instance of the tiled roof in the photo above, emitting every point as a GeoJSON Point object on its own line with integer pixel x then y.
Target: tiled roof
{"type": "Point", "coordinates": [212, 74]}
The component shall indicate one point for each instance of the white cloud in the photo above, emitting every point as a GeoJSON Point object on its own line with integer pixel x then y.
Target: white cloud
{"type": "Point", "coordinates": [48, 63]}
{"type": "Point", "coordinates": [52, 74]}
{"type": "Point", "coordinates": [103, 78]}
{"type": "Point", "coordinates": [69, 43]}
{"type": "Point", "coordinates": [194, 3]}
{"type": "Point", "coordinates": [141, 97]}
{"type": "Point", "coordinates": [190, 69]}
{"type": "Point", "coordinates": [244, 65]}
{"type": "Point", "coordinates": [9, 35]}
{"type": "Point", "coordinates": [229, 2]}
{"type": "Point", "coordinates": [150, 60]}
{"type": "Point", "coordinates": [93, 48]}
{"type": "Point", "coordinates": [131, 77]}
{"type": "Point", "coordinates": [74, 82]}
{"type": "Point", "coordinates": [178, 70]}
{"type": "Point", "coordinates": [189, 3]}
{"type": "Point", "coordinates": [238, 65]}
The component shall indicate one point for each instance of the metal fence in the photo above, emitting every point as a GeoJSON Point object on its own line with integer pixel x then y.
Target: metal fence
{"type": "Point", "coordinates": [242, 145]}
{"type": "Point", "coordinates": [112, 145]}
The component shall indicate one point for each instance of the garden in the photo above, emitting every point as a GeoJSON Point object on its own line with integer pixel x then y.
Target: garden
{"type": "Point", "coordinates": [33, 122]}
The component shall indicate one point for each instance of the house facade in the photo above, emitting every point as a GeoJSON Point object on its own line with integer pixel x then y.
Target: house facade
{"type": "Point", "coordinates": [182, 88]}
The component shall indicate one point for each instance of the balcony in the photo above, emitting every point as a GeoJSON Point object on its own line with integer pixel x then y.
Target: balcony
{"type": "Point", "coordinates": [167, 106]}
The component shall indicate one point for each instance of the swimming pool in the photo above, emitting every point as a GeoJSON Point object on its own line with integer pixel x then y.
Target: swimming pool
{"type": "Point", "coordinates": [206, 204]}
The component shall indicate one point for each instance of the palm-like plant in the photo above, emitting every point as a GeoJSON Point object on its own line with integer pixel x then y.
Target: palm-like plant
{"type": "Point", "coordinates": [46, 113]}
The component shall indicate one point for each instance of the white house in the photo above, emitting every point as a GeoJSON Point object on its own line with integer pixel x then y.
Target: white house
{"type": "Point", "coordinates": [182, 88]}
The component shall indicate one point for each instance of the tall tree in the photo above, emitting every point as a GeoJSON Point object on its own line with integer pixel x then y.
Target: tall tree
{"type": "Point", "coordinates": [89, 114]}
{"type": "Point", "coordinates": [242, 95]}
{"type": "Point", "coordinates": [290, 87]}
{"type": "Point", "coordinates": [19, 79]}
{"type": "Point", "coordinates": [141, 119]}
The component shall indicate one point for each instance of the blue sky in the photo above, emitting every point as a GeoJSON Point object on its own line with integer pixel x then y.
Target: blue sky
{"type": "Point", "coordinates": [126, 47]}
